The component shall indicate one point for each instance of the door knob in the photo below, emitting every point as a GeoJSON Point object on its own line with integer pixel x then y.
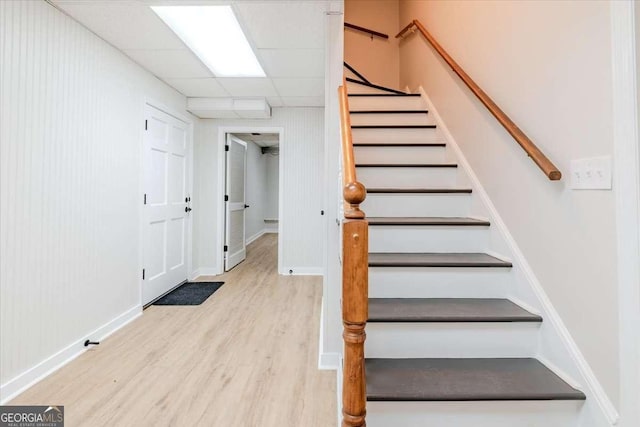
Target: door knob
{"type": "Point", "coordinates": [246, 206]}
{"type": "Point", "coordinates": [187, 209]}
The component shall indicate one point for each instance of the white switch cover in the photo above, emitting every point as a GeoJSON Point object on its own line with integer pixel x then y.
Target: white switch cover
{"type": "Point", "coordinates": [593, 173]}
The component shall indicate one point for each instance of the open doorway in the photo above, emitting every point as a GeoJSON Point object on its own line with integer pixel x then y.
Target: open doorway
{"type": "Point", "coordinates": [252, 191]}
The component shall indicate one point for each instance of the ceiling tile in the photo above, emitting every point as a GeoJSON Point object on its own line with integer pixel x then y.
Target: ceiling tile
{"type": "Point", "coordinates": [275, 101]}
{"type": "Point", "coordinates": [303, 101]}
{"type": "Point", "coordinates": [126, 25]}
{"type": "Point", "coordinates": [198, 87]}
{"type": "Point", "coordinates": [248, 86]}
{"type": "Point", "coordinates": [299, 87]}
{"type": "Point", "coordinates": [292, 62]}
{"type": "Point", "coordinates": [291, 24]}
{"type": "Point", "coordinates": [170, 63]}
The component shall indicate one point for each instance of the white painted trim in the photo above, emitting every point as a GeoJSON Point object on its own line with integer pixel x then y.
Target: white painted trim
{"type": "Point", "coordinates": [304, 271]}
{"type": "Point", "coordinates": [222, 131]}
{"type": "Point", "coordinates": [339, 376]}
{"type": "Point", "coordinates": [30, 377]}
{"type": "Point", "coordinates": [255, 237]}
{"type": "Point", "coordinates": [592, 387]}
{"type": "Point", "coordinates": [329, 361]}
{"type": "Point", "coordinates": [626, 176]}
{"type": "Point", "coordinates": [204, 271]}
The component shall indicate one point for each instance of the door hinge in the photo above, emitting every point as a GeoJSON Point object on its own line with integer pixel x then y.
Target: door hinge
{"type": "Point", "coordinates": [226, 248]}
{"type": "Point", "coordinates": [145, 198]}
{"type": "Point", "coordinates": [143, 273]}
{"type": "Point", "coordinates": [226, 197]}
{"type": "Point", "coordinates": [146, 123]}
{"type": "Point", "coordinates": [226, 148]}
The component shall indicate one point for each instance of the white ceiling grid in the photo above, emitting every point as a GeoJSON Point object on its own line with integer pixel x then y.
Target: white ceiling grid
{"type": "Point", "coordinates": [287, 37]}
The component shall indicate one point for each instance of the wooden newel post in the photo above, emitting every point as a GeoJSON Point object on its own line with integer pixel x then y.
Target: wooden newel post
{"type": "Point", "coordinates": [355, 294]}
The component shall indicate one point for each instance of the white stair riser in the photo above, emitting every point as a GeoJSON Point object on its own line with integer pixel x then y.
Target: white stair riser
{"type": "Point", "coordinates": [395, 135]}
{"type": "Point", "coordinates": [447, 340]}
{"type": "Point", "coordinates": [407, 177]}
{"type": "Point", "coordinates": [391, 119]}
{"type": "Point", "coordinates": [358, 88]}
{"type": "Point", "coordinates": [474, 414]}
{"type": "Point", "coordinates": [426, 282]}
{"type": "Point", "coordinates": [400, 154]}
{"type": "Point", "coordinates": [416, 204]}
{"type": "Point", "coordinates": [428, 239]}
{"type": "Point", "coordinates": [385, 103]}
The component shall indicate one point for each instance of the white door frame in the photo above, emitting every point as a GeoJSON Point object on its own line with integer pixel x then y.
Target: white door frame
{"type": "Point", "coordinates": [627, 201]}
{"type": "Point", "coordinates": [141, 189]}
{"type": "Point", "coordinates": [222, 132]}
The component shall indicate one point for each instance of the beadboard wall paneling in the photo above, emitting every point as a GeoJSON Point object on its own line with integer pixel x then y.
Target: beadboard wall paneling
{"type": "Point", "coordinates": [302, 154]}
{"type": "Point", "coordinates": [255, 191]}
{"type": "Point", "coordinates": [71, 119]}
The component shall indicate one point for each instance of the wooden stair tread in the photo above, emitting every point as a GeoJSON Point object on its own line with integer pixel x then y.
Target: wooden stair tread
{"type": "Point", "coordinates": [464, 380]}
{"type": "Point", "coordinates": [406, 165]}
{"type": "Point", "coordinates": [393, 126]}
{"type": "Point", "coordinates": [419, 190]}
{"type": "Point", "coordinates": [443, 221]}
{"type": "Point", "coordinates": [447, 310]}
{"type": "Point", "coordinates": [419, 144]}
{"type": "Point", "coordinates": [435, 260]}
{"type": "Point", "coordinates": [374, 86]}
{"type": "Point", "coordinates": [382, 94]}
{"type": "Point", "coordinates": [389, 112]}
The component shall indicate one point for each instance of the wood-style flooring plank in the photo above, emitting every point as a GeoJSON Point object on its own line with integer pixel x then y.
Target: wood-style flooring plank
{"type": "Point", "coordinates": [246, 357]}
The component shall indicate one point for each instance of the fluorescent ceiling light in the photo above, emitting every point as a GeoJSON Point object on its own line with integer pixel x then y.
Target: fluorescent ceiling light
{"type": "Point", "coordinates": [214, 34]}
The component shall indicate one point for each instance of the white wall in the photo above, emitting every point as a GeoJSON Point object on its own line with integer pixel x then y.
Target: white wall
{"type": "Point", "coordinates": [377, 59]}
{"type": "Point", "coordinates": [262, 192]}
{"type": "Point", "coordinates": [301, 151]}
{"type": "Point", "coordinates": [255, 191]}
{"type": "Point", "coordinates": [70, 143]}
{"type": "Point", "coordinates": [556, 84]}
{"type": "Point", "coordinates": [331, 330]}
{"type": "Point", "coordinates": [273, 172]}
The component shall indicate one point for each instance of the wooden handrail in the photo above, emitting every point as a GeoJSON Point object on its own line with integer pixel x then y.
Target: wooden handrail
{"type": "Point", "coordinates": [549, 169]}
{"type": "Point", "coordinates": [366, 30]}
{"type": "Point", "coordinates": [355, 278]}
{"type": "Point", "coordinates": [354, 192]}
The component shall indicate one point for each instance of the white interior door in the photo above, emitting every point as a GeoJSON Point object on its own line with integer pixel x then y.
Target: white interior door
{"type": "Point", "coordinates": [236, 159]}
{"type": "Point", "coordinates": [167, 203]}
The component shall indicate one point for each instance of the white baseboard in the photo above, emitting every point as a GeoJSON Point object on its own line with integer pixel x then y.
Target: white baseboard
{"type": "Point", "coordinates": [33, 375]}
{"type": "Point", "coordinates": [329, 361]}
{"type": "Point", "coordinates": [339, 390]}
{"type": "Point", "coordinates": [571, 354]}
{"type": "Point", "coordinates": [255, 237]}
{"type": "Point", "coordinates": [203, 271]}
{"type": "Point", "coordinates": [302, 271]}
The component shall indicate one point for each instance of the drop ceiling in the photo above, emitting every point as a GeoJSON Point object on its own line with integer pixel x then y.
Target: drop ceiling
{"type": "Point", "coordinates": [286, 35]}
{"type": "Point", "coordinates": [260, 139]}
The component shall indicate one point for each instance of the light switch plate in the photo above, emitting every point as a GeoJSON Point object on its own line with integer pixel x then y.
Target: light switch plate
{"type": "Point", "coordinates": [593, 173]}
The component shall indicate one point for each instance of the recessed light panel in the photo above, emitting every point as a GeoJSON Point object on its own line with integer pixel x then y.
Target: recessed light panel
{"type": "Point", "coordinates": [214, 35]}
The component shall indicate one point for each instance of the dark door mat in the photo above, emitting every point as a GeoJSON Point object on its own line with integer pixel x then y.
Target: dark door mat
{"type": "Point", "coordinates": [191, 293]}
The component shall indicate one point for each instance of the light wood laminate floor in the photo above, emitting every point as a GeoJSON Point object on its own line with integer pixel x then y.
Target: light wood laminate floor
{"type": "Point", "coordinates": [246, 357]}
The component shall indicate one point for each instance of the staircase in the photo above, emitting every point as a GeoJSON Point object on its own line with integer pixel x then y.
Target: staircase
{"type": "Point", "coordinates": [446, 346]}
